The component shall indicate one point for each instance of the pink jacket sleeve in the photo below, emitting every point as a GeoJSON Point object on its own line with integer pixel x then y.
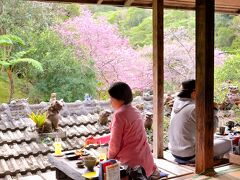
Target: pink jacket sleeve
{"type": "Point", "coordinates": [103, 139]}
{"type": "Point", "coordinates": [116, 137]}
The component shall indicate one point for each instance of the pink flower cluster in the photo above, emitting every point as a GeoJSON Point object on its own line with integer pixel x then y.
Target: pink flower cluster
{"type": "Point", "coordinates": [114, 58]}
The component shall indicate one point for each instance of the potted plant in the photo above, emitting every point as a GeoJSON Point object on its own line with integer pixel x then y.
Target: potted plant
{"type": "Point", "coordinates": [39, 119]}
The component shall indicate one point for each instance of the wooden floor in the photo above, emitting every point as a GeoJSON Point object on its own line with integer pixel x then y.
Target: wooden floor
{"type": "Point", "coordinates": [183, 172]}
{"type": "Point", "coordinates": [228, 172]}
{"type": "Point", "coordinates": [174, 170]}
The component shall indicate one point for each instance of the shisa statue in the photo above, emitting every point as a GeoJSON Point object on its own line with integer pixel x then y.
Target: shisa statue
{"type": "Point", "coordinates": [103, 119]}
{"type": "Point", "coordinates": [53, 114]}
{"type": "Point", "coordinates": [148, 120]}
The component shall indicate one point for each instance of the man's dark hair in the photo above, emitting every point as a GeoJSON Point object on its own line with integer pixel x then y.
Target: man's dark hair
{"type": "Point", "coordinates": [187, 88]}
{"type": "Point", "coordinates": [121, 91]}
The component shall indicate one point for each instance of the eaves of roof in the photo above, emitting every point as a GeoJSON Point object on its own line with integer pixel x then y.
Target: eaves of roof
{"type": "Point", "coordinates": [226, 6]}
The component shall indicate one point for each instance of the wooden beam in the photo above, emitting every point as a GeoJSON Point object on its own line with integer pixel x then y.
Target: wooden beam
{"type": "Point", "coordinates": [128, 2]}
{"type": "Point", "coordinates": [158, 87]}
{"type": "Point", "coordinates": [204, 84]}
{"type": "Point", "coordinates": [225, 6]}
{"type": "Point", "coordinates": [99, 1]}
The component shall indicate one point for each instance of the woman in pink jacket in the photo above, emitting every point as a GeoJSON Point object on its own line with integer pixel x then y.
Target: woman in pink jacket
{"type": "Point", "coordinates": [128, 140]}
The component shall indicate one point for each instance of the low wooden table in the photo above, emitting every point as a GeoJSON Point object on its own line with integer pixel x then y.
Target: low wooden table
{"type": "Point", "coordinates": [227, 137]}
{"type": "Point", "coordinates": [67, 169]}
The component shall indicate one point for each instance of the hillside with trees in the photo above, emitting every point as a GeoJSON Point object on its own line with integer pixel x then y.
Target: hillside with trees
{"type": "Point", "coordinates": [83, 49]}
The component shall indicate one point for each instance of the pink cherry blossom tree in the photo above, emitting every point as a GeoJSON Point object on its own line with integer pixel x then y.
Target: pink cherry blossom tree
{"type": "Point", "coordinates": [179, 56]}
{"type": "Point", "coordinates": [114, 58]}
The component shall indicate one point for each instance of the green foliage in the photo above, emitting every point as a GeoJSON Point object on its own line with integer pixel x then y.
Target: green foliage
{"type": "Point", "coordinates": [224, 37]}
{"type": "Point", "coordinates": [170, 87]}
{"type": "Point", "coordinates": [37, 65]}
{"type": "Point", "coordinates": [174, 19]}
{"type": "Point", "coordinates": [4, 63]}
{"type": "Point", "coordinates": [15, 62]}
{"type": "Point", "coordinates": [38, 118]}
{"type": "Point", "coordinates": [220, 91]}
{"type": "Point", "coordinates": [141, 35]}
{"type": "Point", "coordinates": [96, 9]}
{"type": "Point", "coordinates": [9, 40]}
{"type": "Point", "coordinates": [113, 17]}
{"type": "Point", "coordinates": [72, 10]}
{"type": "Point", "coordinates": [71, 77]}
{"type": "Point", "coordinates": [63, 73]}
{"type": "Point", "coordinates": [136, 23]}
{"type": "Point", "coordinates": [4, 88]}
{"type": "Point", "coordinates": [21, 17]}
{"type": "Point", "coordinates": [236, 110]}
{"type": "Point", "coordinates": [30, 20]}
{"type": "Point", "coordinates": [230, 70]}
{"type": "Point", "coordinates": [102, 93]}
{"type": "Point", "coordinates": [235, 47]}
{"type": "Point", "coordinates": [9, 61]}
{"type": "Point", "coordinates": [166, 123]}
{"type": "Point", "coordinates": [223, 19]}
{"type": "Point", "coordinates": [235, 22]}
{"type": "Point", "coordinates": [225, 33]}
{"type": "Point", "coordinates": [134, 17]}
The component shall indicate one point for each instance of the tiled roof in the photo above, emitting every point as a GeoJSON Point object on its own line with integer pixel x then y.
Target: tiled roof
{"type": "Point", "coordinates": [21, 151]}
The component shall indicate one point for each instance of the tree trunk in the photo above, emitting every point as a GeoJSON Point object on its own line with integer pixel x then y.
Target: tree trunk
{"type": "Point", "coordinates": [1, 7]}
{"type": "Point", "coordinates": [2, 31]}
{"type": "Point", "coordinates": [11, 85]}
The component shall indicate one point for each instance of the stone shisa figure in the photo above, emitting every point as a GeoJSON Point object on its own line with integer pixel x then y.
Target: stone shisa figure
{"type": "Point", "coordinates": [103, 117]}
{"type": "Point", "coordinates": [148, 120]}
{"type": "Point", "coordinates": [168, 104]}
{"type": "Point", "coordinates": [53, 114]}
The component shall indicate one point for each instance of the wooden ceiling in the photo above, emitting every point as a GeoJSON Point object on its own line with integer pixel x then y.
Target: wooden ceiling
{"type": "Point", "coordinates": [226, 6]}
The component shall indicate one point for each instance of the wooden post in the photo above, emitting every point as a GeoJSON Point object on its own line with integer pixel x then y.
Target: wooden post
{"type": "Point", "coordinates": [158, 88]}
{"type": "Point", "coordinates": [204, 84]}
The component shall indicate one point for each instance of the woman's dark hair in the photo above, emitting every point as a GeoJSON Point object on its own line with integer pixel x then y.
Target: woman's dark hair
{"type": "Point", "coordinates": [187, 88]}
{"type": "Point", "coordinates": [121, 91]}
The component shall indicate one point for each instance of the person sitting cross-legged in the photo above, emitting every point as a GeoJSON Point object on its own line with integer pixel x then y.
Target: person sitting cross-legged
{"type": "Point", "coordinates": [182, 129]}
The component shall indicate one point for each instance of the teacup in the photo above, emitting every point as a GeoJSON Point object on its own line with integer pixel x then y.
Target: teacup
{"type": "Point", "coordinates": [90, 162]}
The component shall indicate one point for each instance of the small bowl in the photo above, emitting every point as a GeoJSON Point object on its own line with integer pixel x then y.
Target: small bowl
{"type": "Point", "coordinates": [89, 162]}
{"type": "Point", "coordinates": [80, 164]}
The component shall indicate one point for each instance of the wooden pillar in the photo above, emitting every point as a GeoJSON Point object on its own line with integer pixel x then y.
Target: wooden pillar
{"type": "Point", "coordinates": [204, 84]}
{"type": "Point", "coordinates": [158, 88]}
